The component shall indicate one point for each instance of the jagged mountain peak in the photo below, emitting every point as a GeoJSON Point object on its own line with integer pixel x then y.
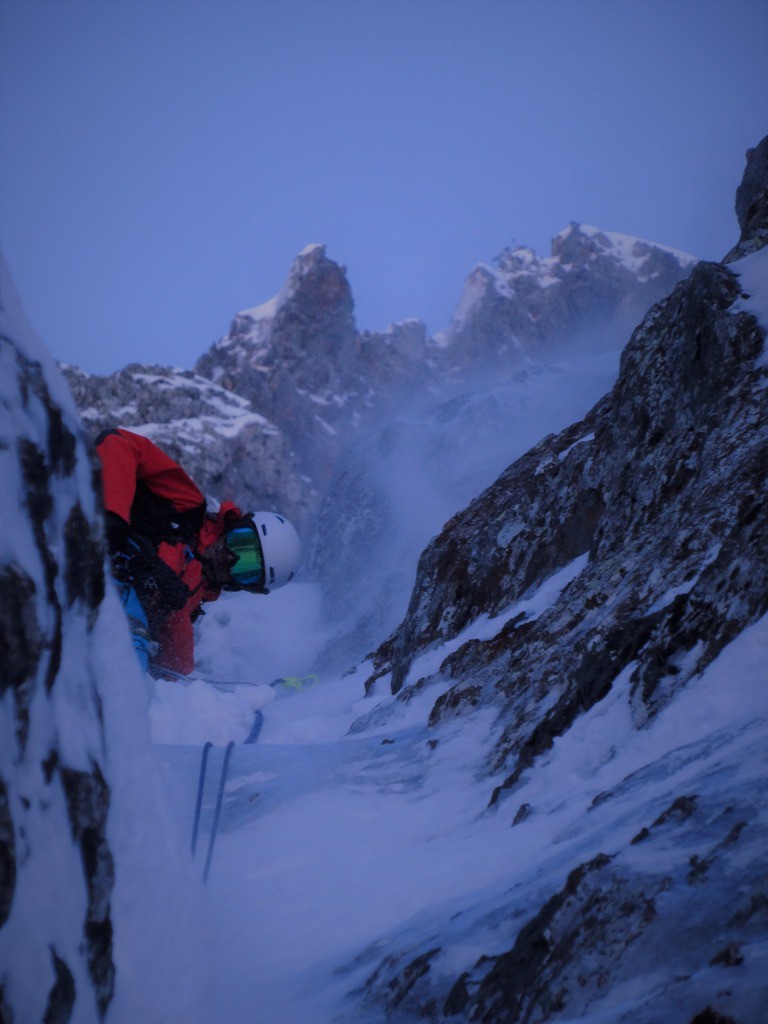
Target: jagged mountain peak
{"type": "Point", "coordinates": [582, 243]}
{"type": "Point", "coordinates": [522, 301]}
{"type": "Point", "coordinates": [315, 300]}
{"type": "Point", "coordinates": [752, 204]}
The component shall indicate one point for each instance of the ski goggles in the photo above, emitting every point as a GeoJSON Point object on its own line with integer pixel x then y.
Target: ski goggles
{"type": "Point", "coordinates": [248, 570]}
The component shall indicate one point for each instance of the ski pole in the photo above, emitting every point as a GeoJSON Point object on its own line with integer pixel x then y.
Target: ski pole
{"type": "Point", "coordinates": [258, 722]}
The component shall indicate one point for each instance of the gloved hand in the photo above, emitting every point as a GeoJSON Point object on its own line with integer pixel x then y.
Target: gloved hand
{"type": "Point", "coordinates": [136, 563]}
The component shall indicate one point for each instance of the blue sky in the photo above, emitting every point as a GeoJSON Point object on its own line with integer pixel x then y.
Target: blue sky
{"type": "Point", "coordinates": [163, 161]}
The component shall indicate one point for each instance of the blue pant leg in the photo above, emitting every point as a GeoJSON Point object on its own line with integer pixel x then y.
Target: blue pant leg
{"type": "Point", "coordinates": [138, 624]}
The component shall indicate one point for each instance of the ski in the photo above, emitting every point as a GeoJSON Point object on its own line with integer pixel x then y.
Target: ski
{"type": "Point", "coordinates": [199, 801]}
{"type": "Point", "coordinates": [285, 683]}
{"type": "Point", "coordinates": [219, 803]}
{"type": "Point", "coordinates": [217, 812]}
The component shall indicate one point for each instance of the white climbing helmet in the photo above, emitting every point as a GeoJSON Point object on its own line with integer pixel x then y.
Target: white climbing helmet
{"type": "Point", "coordinates": [280, 546]}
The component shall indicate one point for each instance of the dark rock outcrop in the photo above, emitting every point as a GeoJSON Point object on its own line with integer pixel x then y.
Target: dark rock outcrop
{"type": "Point", "coordinates": [662, 486]}
{"type": "Point", "coordinates": [291, 359]}
{"type": "Point", "coordinates": [752, 204]}
{"type": "Point", "coordinates": [618, 923]}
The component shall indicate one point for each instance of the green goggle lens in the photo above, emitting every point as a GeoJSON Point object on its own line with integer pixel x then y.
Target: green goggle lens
{"type": "Point", "coordinates": [248, 570]}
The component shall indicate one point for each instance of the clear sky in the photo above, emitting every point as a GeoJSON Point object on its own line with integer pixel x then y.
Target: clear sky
{"type": "Point", "coordinates": [163, 161]}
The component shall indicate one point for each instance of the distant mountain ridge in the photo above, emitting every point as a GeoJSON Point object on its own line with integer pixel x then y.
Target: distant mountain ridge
{"type": "Point", "coordinates": [299, 381]}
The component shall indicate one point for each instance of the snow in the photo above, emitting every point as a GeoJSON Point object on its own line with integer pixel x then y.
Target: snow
{"type": "Point", "coordinates": [311, 248]}
{"type": "Point", "coordinates": [581, 440]}
{"type": "Point", "coordinates": [686, 587]}
{"type": "Point", "coordinates": [268, 310]}
{"type": "Point", "coordinates": [485, 627]}
{"type": "Point", "coordinates": [630, 251]}
{"type": "Point", "coordinates": [95, 714]}
{"type": "Point", "coordinates": [265, 311]}
{"type": "Point", "coordinates": [337, 844]}
{"type": "Point", "coordinates": [753, 273]}
{"type": "Point", "coordinates": [345, 835]}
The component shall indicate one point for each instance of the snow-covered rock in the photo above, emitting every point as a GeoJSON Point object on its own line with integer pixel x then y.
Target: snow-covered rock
{"type": "Point", "coordinates": [92, 894]}
{"type": "Point", "coordinates": [295, 359]}
{"type": "Point", "coordinates": [523, 304]}
{"type": "Point", "coordinates": [227, 447]}
{"type": "Point", "coordinates": [650, 515]}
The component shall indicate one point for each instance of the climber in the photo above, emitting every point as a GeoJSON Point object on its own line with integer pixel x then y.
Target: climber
{"type": "Point", "coordinates": [169, 554]}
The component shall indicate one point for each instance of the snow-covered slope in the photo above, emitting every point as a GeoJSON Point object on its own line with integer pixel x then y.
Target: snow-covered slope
{"type": "Point", "coordinates": [358, 875]}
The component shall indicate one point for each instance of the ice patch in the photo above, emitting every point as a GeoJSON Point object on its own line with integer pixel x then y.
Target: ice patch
{"type": "Point", "coordinates": [581, 440]}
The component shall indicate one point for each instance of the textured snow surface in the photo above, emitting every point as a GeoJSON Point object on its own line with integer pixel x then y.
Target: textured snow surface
{"type": "Point", "coordinates": [338, 845]}
{"type": "Point", "coordinates": [349, 833]}
{"type": "Point", "coordinates": [631, 251]}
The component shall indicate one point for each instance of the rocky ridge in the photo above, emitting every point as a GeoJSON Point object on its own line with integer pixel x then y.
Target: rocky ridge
{"type": "Point", "coordinates": [650, 514]}
{"type": "Point", "coordinates": [300, 363]}
{"type": "Point", "coordinates": [525, 304]}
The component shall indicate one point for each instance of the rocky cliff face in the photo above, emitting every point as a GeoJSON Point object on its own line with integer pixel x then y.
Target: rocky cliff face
{"type": "Point", "coordinates": [752, 204]}
{"type": "Point", "coordinates": [291, 357]}
{"type": "Point", "coordinates": [482, 385]}
{"type": "Point", "coordinates": [649, 519]}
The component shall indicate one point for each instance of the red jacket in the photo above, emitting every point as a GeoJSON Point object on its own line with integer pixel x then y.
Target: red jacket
{"type": "Point", "coordinates": [152, 493]}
